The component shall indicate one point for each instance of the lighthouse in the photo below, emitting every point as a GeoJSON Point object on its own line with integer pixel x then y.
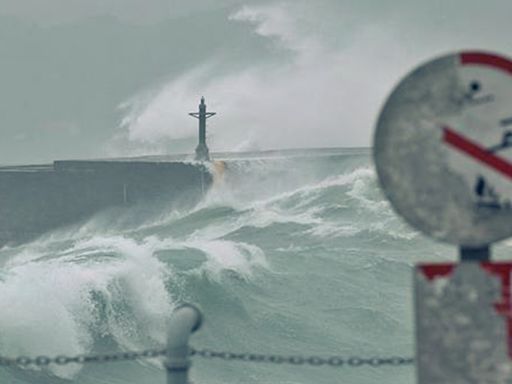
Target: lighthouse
{"type": "Point", "coordinates": [202, 153]}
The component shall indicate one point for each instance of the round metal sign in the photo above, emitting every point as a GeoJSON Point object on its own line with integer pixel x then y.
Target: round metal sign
{"type": "Point", "coordinates": [443, 148]}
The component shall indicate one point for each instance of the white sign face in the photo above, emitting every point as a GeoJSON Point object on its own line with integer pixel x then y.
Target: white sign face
{"type": "Point", "coordinates": [463, 323]}
{"type": "Point", "coordinates": [443, 148]}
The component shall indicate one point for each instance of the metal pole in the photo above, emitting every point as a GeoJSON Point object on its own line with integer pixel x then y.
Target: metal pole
{"type": "Point", "coordinates": [202, 122]}
{"type": "Point", "coordinates": [185, 320]}
{"type": "Point", "coordinates": [202, 152]}
{"type": "Point", "coordinates": [202, 182]}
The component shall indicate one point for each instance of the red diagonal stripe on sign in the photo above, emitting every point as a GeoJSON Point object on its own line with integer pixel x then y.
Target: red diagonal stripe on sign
{"type": "Point", "coordinates": [477, 152]}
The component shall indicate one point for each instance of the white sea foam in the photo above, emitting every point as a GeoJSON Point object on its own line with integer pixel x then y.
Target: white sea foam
{"type": "Point", "coordinates": [224, 195]}
{"type": "Point", "coordinates": [221, 255]}
{"type": "Point", "coordinates": [329, 230]}
{"type": "Point", "coordinates": [262, 213]}
{"type": "Point", "coordinates": [119, 283]}
{"type": "Point", "coordinates": [362, 187]}
{"type": "Point", "coordinates": [225, 255]}
{"type": "Point", "coordinates": [396, 230]}
{"type": "Point", "coordinates": [44, 312]}
{"type": "Point", "coordinates": [51, 310]}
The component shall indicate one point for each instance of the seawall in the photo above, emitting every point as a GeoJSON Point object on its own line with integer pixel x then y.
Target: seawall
{"type": "Point", "coordinates": [36, 199]}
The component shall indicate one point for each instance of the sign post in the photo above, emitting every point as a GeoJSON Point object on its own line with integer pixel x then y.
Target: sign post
{"type": "Point", "coordinates": [443, 153]}
{"type": "Point", "coordinates": [463, 322]}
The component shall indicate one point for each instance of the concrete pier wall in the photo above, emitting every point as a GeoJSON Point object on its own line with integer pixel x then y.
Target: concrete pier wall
{"type": "Point", "coordinates": [36, 200]}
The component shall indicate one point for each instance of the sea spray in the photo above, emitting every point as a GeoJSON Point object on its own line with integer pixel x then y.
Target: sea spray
{"type": "Point", "coordinates": [285, 255]}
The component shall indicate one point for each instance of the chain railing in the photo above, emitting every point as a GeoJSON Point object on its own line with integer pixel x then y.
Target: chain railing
{"type": "Point", "coordinates": [187, 319]}
{"type": "Point", "coordinates": [81, 359]}
{"type": "Point", "coordinates": [315, 361]}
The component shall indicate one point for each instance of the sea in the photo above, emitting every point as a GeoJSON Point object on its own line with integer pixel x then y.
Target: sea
{"type": "Point", "coordinates": [297, 253]}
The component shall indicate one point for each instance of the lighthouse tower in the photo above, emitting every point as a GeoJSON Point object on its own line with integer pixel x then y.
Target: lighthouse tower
{"type": "Point", "coordinates": [202, 153]}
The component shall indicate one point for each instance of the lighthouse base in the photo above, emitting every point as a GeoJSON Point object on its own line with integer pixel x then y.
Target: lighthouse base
{"type": "Point", "coordinates": [202, 152]}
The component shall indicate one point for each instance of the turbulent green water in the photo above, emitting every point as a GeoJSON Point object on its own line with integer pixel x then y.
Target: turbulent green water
{"type": "Point", "coordinates": [285, 255]}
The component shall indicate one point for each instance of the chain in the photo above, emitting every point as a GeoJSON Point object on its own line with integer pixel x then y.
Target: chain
{"type": "Point", "coordinates": [332, 361]}
{"type": "Point", "coordinates": [81, 359]}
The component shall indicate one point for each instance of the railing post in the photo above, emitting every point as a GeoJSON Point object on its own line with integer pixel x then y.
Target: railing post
{"type": "Point", "coordinates": [185, 320]}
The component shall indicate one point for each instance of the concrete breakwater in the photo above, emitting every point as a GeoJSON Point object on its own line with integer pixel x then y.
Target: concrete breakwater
{"type": "Point", "coordinates": [37, 199]}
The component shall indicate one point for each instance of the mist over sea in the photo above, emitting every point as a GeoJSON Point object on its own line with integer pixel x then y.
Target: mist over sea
{"type": "Point", "coordinates": [289, 255]}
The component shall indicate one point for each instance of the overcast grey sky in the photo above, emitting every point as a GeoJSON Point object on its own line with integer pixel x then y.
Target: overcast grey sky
{"type": "Point", "coordinates": [96, 78]}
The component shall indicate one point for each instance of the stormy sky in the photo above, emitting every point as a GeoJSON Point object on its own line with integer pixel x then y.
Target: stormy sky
{"type": "Point", "coordinates": [100, 78]}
